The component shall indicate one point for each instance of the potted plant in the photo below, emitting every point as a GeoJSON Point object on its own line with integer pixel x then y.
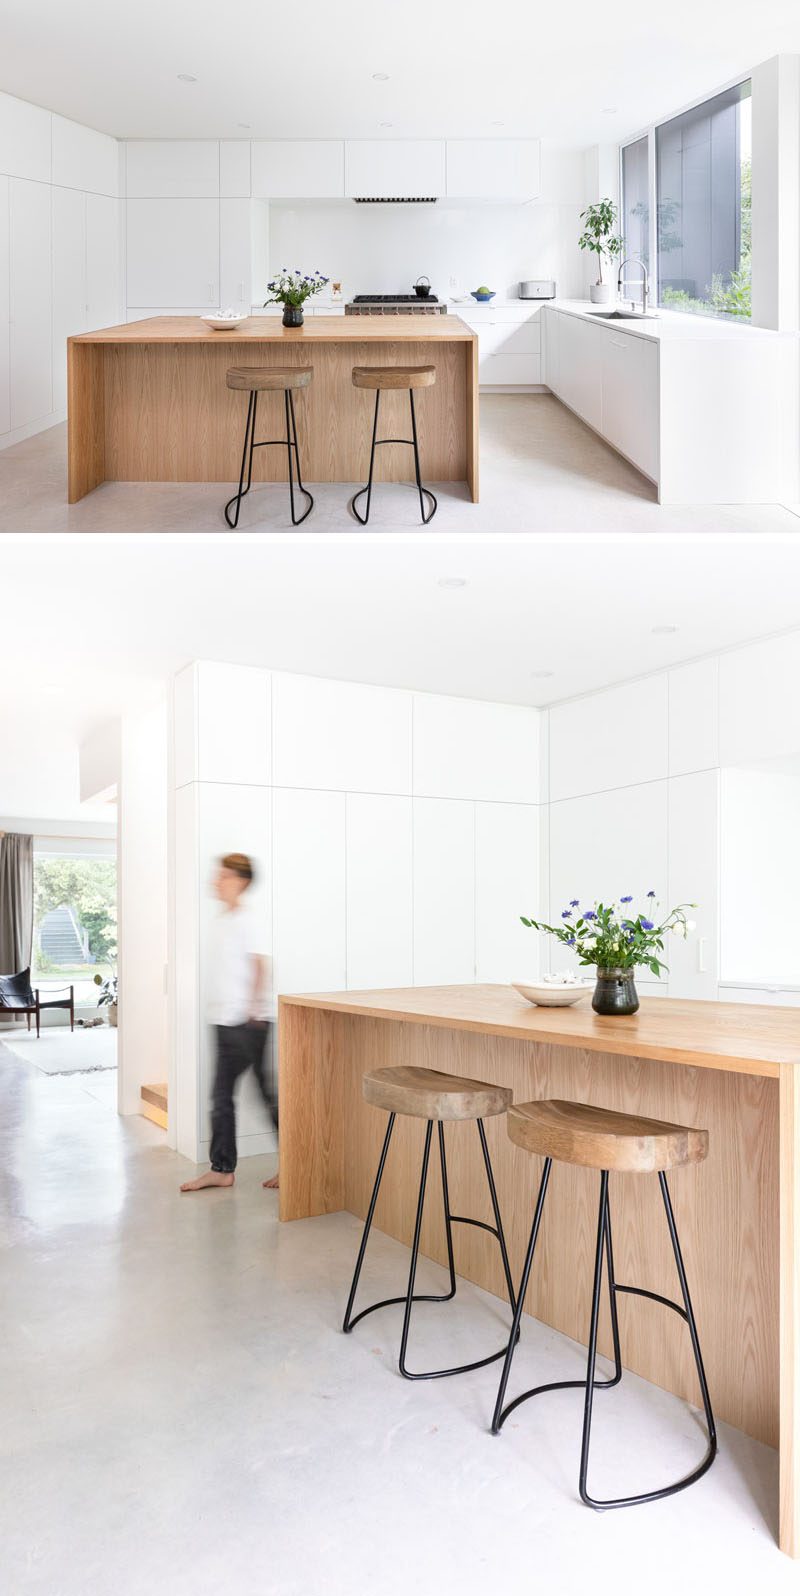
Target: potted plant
{"type": "Point", "coordinates": [108, 995]}
{"type": "Point", "coordinates": [292, 289]}
{"type": "Point", "coordinates": [616, 940]}
{"type": "Point", "coordinates": [599, 236]}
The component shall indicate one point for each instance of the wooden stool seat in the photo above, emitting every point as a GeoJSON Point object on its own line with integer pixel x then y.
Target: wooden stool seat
{"type": "Point", "coordinates": [598, 1138]}
{"type": "Point", "coordinates": [394, 376]}
{"type": "Point", "coordinates": [430, 1094]}
{"type": "Point", "coordinates": [268, 379]}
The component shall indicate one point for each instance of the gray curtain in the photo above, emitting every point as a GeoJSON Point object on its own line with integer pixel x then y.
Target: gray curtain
{"type": "Point", "coordinates": [16, 902]}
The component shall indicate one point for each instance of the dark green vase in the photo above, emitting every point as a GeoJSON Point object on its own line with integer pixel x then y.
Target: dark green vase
{"type": "Point", "coordinates": [292, 315]}
{"type": "Point", "coordinates": [615, 992]}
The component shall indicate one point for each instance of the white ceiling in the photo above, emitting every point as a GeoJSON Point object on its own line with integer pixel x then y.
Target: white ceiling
{"type": "Point", "coordinates": [114, 619]}
{"type": "Point", "coordinates": [456, 69]}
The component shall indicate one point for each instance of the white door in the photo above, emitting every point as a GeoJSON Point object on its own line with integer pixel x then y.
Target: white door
{"type": "Point", "coordinates": [5, 389]}
{"type": "Point", "coordinates": [31, 297]}
{"type": "Point", "coordinates": [69, 281]}
{"type": "Point", "coordinates": [444, 891]}
{"type": "Point", "coordinates": [394, 168]}
{"type": "Point", "coordinates": [103, 274]}
{"type": "Point", "coordinates": [173, 252]}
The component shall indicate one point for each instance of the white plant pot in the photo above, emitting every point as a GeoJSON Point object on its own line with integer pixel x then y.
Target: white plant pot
{"type": "Point", "coordinates": [601, 293]}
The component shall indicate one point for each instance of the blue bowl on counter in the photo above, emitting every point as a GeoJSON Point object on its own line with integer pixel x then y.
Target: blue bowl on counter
{"type": "Point", "coordinates": [483, 299]}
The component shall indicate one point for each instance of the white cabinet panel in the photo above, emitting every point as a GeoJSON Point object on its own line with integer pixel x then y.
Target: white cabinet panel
{"type": "Point", "coordinates": [694, 878]}
{"type": "Point", "coordinates": [298, 168]}
{"type": "Point", "coordinates": [693, 717]}
{"type": "Point", "coordinates": [83, 158]}
{"type": "Point", "coordinates": [506, 886]}
{"type": "Point", "coordinates": [309, 891]}
{"type": "Point", "coordinates": [579, 365]}
{"type": "Point", "coordinates": [394, 168]}
{"type": "Point", "coordinates": [612, 739]}
{"type": "Point", "coordinates": [69, 281]}
{"type": "Point", "coordinates": [510, 371]}
{"type": "Point", "coordinates": [772, 996]}
{"type": "Point", "coordinates": [25, 140]}
{"type": "Point", "coordinates": [502, 169]}
{"type": "Point", "coordinates": [379, 891]}
{"type": "Point", "coordinates": [630, 413]}
{"type": "Point", "coordinates": [234, 168]}
{"type": "Point", "coordinates": [341, 735]}
{"type": "Point", "coordinates": [172, 168]}
{"type": "Point", "coordinates": [466, 749]}
{"type": "Point", "coordinates": [551, 372]}
{"type": "Point", "coordinates": [760, 874]}
{"type": "Point", "coordinates": [184, 726]}
{"type": "Point", "coordinates": [759, 706]}
{"type": "Point", "coordinates": [103, 264]}
{"type": "Point", "coordinates": [184, 1113]}
{"type": "Point", "coordinates": [233, 723]}
{"type": "Point", "coordinates": [173, 252]}
{"type": "Point", "coordinates": [234, 254]}
{"type": "Point", "coordinates": [5, 388]}
{"type": "Point", "coordinates": [31, 345]}
{"type": "Point", "coordinates": [606, 846]}
{"type": "Point", "coordinates": [444, 892]}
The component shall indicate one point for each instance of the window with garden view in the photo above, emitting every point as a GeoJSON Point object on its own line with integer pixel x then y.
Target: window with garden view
{"type": "Point", "coordinates": [75, 921]}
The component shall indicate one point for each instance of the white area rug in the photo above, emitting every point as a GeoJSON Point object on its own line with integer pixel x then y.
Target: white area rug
{"type": "Point", "coordinates": [62, 1052]}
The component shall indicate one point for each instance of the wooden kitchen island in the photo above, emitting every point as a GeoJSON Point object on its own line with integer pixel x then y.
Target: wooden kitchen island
{"type": "Point", "coordinates": [729, 1068]}
{"type": "Point", "coordinates": [147, 401]}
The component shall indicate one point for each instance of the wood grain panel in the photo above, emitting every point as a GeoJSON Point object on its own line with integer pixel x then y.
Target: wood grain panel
{"type": "Point", "coordinates": [789, 1510]}
{"type": "Point", "coordinates": [312, 1140]}
{"type": "Point", "coordinates": [86, 419]}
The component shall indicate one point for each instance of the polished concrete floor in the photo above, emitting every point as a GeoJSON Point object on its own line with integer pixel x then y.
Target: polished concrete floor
{"type": "Point", "coordinates": [542, 471]}
{"type": "Point", "coordinates": [182, 1416]}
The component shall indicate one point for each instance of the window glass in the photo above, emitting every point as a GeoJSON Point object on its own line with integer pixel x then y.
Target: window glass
{"type": "Point", "coordinates": [75, 921]}
{"type": "Point", "coordinates": [636, 201]}
{"type": "Point", "coordinates": [703, 207]}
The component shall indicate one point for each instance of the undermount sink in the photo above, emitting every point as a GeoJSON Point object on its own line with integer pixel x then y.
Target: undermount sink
{"type": "Point", "coordinates": [625, 315]}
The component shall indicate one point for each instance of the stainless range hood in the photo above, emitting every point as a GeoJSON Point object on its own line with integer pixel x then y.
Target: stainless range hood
{"type": "Point", "coordinates": [395, 199]}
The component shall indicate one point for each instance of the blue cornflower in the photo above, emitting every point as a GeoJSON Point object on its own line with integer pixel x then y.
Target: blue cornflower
{"type": "Point", "coordinates": [570, 942]}
{"type": "Point", "coordinates": [647, 925]}
{"type": "Point", "coordinates": [566, 914]}
{"type": "Point", "coordinates": [629, 899]}
{"type": "Point", "coordinates": [651, 894]}
{"type": "Point", "coordinates": [589, 914]}
{"type": "Point", "coordinates": [574, 902]}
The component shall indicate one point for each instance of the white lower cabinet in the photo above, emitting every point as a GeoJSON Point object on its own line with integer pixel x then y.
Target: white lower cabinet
{"type": "Point", "coordinates": [380, 936]}
{"type": "Point", "coordinates": [509, 343]}
{"type": "Point", "coordinates": [69, 281]}
{"type": "Point", "coordinates": [580, 358]}
{"type": "Point", "coordinates": [444, 891]}
{"type": "Point", "coordinates": [234, 255]}
{"type": "Point", "coordinates": [103, 262]}
{"type": "Point", "coordinates": [506, 880]}
{"type": "Point", "coordinates": [173, 250]}
{"type": "Point", "coordinates": [694, 833]}
{"type": "Point", "coordinates": [309, 891]}
{"type": "Point", "coordinates": [630, 408]}
{"type": "Point", "coordinates": [30, 297]}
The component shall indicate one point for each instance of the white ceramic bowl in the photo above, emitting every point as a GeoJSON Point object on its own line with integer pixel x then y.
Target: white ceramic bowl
{"type": "Point", "coordinates": [553, 997]}
{"type": "Point", "coordinates": [222, 323]}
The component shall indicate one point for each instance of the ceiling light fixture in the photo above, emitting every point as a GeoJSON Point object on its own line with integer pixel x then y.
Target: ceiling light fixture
{"type": "Point", "coordinates": [380, 77]}
{"type": "Point", "coordinates": [609, 110]}
{"type": "Point", "coordinates": [664, 631]}
{"type": "Point", "coordinates": [541, 675]}
{"type": "Point", "coordinates": [498, 124]}
{"type": "Point", "coordinates": [244, 125]}
{"type": "Point", "coordinates": [186, 77]}
{"type": "Point", "coordinates": [451, 581]}
{"type": "Point", "coordinates": [387, 124]}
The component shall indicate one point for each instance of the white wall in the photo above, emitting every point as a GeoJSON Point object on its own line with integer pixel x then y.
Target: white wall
{"type": "Point", "coordinates": [60, 264]}
{"type": "Point", "coordinates": [142, 905]}
{"type": "Point", "coordinates": [396, 833]}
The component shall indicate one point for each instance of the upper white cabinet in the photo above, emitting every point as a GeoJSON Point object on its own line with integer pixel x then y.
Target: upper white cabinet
{"type": "Point", "coordinates": [629, 415]}
{"type": "Point", "coordinates": [759, 707]}
{"type": "Point", "coordinates": [298, 168]}
{"type": "Point", "coordinates": [5, 383]}
{"type": "Point", "coordinates": [233, 723]}
{"type": "Point", "coordinates": [30, 297]}
{"type": "Point", "coordinates": [234, 168]}
{"type": "Point", "coordinates": [693, 717]}
{"type": "Point", "coordinates": [611, 739]}
{"type": "Point", "coordinates": [341, 735]}
{"type": "Point", "coordinates": [379, 891]}
{"type": "Point", "coordinates": [394, 168]}
{"type": "Point", "coordinates": [172, 168]}
{"type": "Point", "coordinates": [25, 140]}
{"type": "Point", "coordinates": [465, 749]}
{"type": "Point", "coordinates": [83, 158]}
{"type": "Point", "coordinates": [502, 169]}
{"type": "Point", "coordinates": [173, 252]}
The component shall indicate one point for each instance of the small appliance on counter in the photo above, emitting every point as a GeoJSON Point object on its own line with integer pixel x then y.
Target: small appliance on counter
{"type": "Point", "coordinates": [538, 288]}
{"type": "Point", "coordinates": [415, 304]}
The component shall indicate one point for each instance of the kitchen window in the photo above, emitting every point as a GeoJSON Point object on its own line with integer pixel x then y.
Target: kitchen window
{"type": "Point", "coordinates": [635, 227]}
{"type": "Point", "coordinates": [703, 207]}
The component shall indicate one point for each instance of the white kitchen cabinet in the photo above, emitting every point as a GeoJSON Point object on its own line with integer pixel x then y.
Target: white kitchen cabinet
{"type": "Point", "coordinates": [629, 417]}
{"type": "Point", "coordinates": [580, 356]}
{"type": "Point", "coordinates": [610, 739]}
{"type": "Point", "coordinates": [341, 735]}
{"type": "Point", "coordinates": [84, 159]}
{"type": "Point", "coordinates": [309, 888]}
{"type": "Point", "coordinates": [69, 281]}
{"type": "Point", "coordinates": [235, 255]}
{"type": "Point", "coordinates": [25, 140]}
{"type": "Point", "coordinates": [233, 723]}
{"type": "Point", "coordinates": [551, 348]}
{"type": "Point", "coordinates": [693, 717]}
{"type": "Point", "coordinates": [103, 263]}
{"type": "Point", "coordinates": [234, 168]}
{"type": "Point", "coordinates": [493, 169]}
{"type": "Point", "coordinates": [5, 384]}
{"type": "Point", "coordinates": [394, 168]}
{"type": "Point", "coordinates": [173, 252]}
{"type": "Point", "coordinates": [506, 886]}
{"type": "Point", "coordinates": [759, 707]}
{"type": "Point", "coordinates": [172, 168]}
{"type": "Point", "coordinates": [694, 878]}
{"type": "Point", "coordinates": [467, 749]}
{"type": "Point", "coordinates": [31, 298]}
{"type": "Point", "coordinates": [380, 933]}
{"type": "Point", "coordinates": [298, 169]}
{"type": "Point", "coordinates": [444, 892]}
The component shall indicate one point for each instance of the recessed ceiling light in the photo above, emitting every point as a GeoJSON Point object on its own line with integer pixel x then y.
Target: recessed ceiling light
{"type": "Point", "coordinates": [380, 77]}
{"type": "Point", "coordinates": [243, 124]}
{"type": "Point", "coordinates": [541, 675]}
{"type": "Point", "coordinates": [664, 631]}
{"type": "Point", "coordinates": [451, 581]}
{"type": "Point", "coordinates": [186, 77]}
{"type": "Point", "coordinates": [609, 110]}
{"type": "Point", "coordinates": [498, 124]}
{"type": "Point", "coordinates": [387, 124]}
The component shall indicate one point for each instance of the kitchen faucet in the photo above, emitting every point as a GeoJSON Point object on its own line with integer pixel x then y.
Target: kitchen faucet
{"type": "Point", "coordinates": [634, 261]}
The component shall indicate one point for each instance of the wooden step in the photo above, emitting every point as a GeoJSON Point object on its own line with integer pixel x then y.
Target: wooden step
{"type": "Point", "coordinates": [154, 1103]}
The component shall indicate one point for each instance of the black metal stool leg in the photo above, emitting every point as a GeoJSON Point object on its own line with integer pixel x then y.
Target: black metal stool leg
{"type": "Point", "coordinates": [348, 1322]}
{"type": "Point", "coordinates": [592, 1348]}
{"type": "Point", "coordinates": [248, 435]}
{"type": "Point", "coordinates": [415, 1249]}
{"type": "Point", "coordinates": [690, 1319]}
{"type": "Point", "coordinates": [420, 489]}
{"type": "Point", "coordinates": [296, 520]}
{"type": "Point", "coordinates": [368, 489]}
{"type": "Point", "coordinates": [500, 1414]}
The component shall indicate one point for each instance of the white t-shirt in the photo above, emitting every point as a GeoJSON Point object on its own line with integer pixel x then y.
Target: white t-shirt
{"type": "Point", "coordinates": [237, 938]}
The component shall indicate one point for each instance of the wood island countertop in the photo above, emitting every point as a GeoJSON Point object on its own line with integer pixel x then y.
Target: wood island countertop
{"type": "Point", "coordinates": [270, 330]}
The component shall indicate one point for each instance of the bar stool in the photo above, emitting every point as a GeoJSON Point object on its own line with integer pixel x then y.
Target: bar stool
{"type": "Point", "coordinates": [380, 378]}
{"type": "Point", "coordinates": [260, 379]}
{"type": "Point", "coordinates": [433, 1096]}
{"type": "Point", "coordinates": [596, 1138]}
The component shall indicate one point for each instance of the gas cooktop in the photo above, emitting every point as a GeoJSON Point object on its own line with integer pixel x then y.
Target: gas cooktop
{"type": "Point", "coordinates": [394, 305]}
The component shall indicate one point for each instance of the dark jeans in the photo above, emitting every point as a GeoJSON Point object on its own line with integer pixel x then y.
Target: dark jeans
{"type": "Point", "coordinates": [239, 1048]}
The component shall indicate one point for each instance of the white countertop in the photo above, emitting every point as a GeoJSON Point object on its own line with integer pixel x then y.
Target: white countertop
{"type": "Point", "coordinates": [669, 326]}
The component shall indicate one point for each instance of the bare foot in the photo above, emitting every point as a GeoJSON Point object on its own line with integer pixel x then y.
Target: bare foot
{"type": "Point", "coordinates": [211, 1178]}
{"type": "Point", "coordinates": [271, 1185]}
